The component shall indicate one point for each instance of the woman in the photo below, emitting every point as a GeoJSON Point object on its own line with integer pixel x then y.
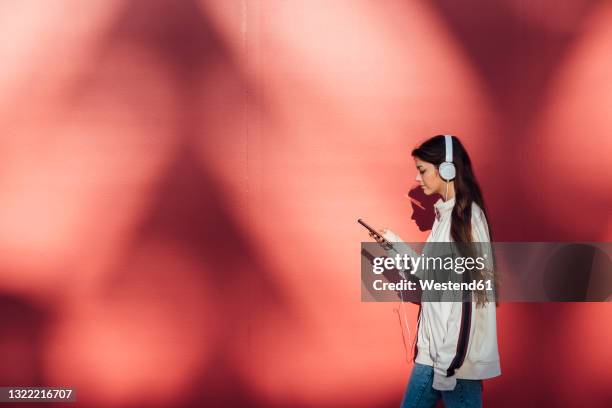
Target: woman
{"type": "Point", "coordinates": [456, 341]}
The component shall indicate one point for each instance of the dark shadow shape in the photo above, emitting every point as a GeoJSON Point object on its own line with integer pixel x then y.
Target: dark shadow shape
{"type": "Point", "coordinates": [24, 324]}
{"type": "Point", "coordinates": [189, 208]}
{"type": "Point", "coordinates": [578, 273]}
{"type": "Point", "coordinates": [423, 212]}
{"type": "Point", "coordinates": [518, 57]}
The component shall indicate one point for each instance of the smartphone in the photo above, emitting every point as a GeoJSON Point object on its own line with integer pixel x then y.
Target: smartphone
{"type": "Point", "coordinates": [384, 242]}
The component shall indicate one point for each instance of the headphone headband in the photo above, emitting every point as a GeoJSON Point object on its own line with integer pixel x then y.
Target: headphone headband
{"type": "Point", "coordinates": [449, 148]}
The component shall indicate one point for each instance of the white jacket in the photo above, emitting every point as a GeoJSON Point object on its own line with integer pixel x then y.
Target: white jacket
{"type": "Point", "coordinates": [459, 341]}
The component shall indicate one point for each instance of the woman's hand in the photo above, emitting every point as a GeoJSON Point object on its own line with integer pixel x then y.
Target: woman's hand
{"type": "Point", "coordinates": [382, 238]}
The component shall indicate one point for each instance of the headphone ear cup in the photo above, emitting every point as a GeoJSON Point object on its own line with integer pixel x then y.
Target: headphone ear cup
{"type": "Point", "coordinates": [447, 171]}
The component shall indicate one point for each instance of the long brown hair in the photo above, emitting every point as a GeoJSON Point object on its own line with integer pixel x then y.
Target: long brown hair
{"type": "Point", "coordinates": [467, 192]}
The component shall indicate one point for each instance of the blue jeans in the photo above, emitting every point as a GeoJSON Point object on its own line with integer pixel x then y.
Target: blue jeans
{"type": "Point", "coordinates": [420, 393]}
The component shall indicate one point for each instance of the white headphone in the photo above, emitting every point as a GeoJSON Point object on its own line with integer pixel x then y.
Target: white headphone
{"type": "Point", "coordinates": [447, 169]}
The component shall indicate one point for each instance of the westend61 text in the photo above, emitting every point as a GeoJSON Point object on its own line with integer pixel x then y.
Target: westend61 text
{"type": "Point", "coordinates": [433, 285]}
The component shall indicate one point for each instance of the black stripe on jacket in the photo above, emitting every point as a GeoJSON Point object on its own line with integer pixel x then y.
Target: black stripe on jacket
{"type": "Point", "coordinates": [464, 334]}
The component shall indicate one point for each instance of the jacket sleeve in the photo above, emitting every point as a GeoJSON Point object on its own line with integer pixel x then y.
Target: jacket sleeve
{"type": "Point", "coordinates": [454, 348]}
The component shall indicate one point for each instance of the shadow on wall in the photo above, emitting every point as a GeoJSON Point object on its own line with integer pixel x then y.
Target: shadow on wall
{"type": "Point", "coordinates": [422, 208]}
{"type": "Point", "coordinates": [578, 273]}
{"type": "Point", "coordinates": [22, 329]}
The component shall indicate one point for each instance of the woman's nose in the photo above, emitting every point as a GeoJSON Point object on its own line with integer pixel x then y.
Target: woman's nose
{"type": "Point", "coordinates": [418, 177]}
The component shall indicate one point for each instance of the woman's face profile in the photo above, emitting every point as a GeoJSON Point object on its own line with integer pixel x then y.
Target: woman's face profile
{"type": "Point", "coordinates": [427, 176]}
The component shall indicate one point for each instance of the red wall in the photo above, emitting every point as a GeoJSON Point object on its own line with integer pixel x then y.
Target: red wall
{"type": "Point", "coordinates": [180, 183]}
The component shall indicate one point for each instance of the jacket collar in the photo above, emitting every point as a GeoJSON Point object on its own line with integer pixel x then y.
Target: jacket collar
{"type": "Point", "coordinates": [443, 207]}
